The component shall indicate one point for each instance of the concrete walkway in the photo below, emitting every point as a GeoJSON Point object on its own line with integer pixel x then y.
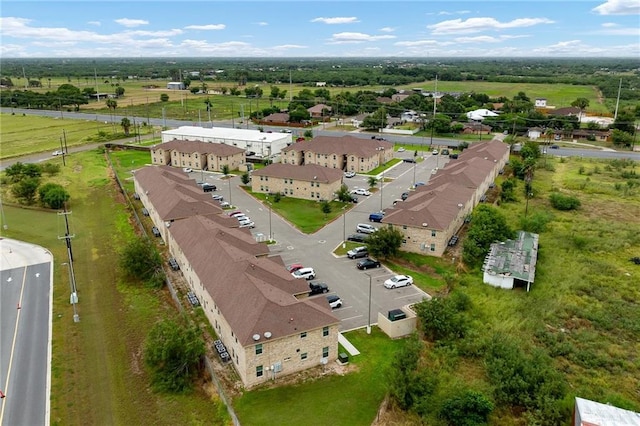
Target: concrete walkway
{"type": "Point", "coordinates": [347, 345]}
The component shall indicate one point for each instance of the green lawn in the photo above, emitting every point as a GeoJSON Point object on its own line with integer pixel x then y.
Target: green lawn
{"type": "Point", "coordinates": [348, 400]}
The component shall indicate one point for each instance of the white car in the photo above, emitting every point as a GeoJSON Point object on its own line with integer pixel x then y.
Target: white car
{"type": "Point", "coordinates": [434, 152]}
{"type": "Point", "coordinates": [247, 224]}
{"type": "Point", "coordinates": [56, 153]}
{"type": "Point", "coordinates": [365, 228]}
{"type": "Point", "coordinates": [401, 149]}
{"type": "Point", "coordinates": [361, 191]}
{"type": "Point", "coordinates": [306, 273]}
{"type": "Point", "coordinates": [349, 174]}
{"type": "Point", "coordinates": [187, 170]}
{"type": "Point", "coordinates": [398, 281]}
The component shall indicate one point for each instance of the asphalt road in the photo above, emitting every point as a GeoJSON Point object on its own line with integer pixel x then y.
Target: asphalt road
{"type": "Point", "coordinates": [25, 333]}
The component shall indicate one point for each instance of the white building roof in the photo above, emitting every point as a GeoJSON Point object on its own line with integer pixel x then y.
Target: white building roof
{"type": "Point", "coordinates": [194, 132]}
{"type": "Point", "coordinates": [480, 114]}
{"type": "Point", "coordinates": [594, 413]}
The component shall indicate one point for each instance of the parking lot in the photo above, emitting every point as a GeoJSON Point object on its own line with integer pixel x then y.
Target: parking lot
{"type": "Point", "coordinates": [362, 292]}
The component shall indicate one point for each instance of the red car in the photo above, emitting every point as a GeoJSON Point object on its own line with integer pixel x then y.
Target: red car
{"type": "Point", "coordinates": [294, 267]}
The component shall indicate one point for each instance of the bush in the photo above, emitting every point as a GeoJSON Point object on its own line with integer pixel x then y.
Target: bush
{"type": "Point", "coordinates": [469, 408]}
{"type": "Point", "coordinates": [140, 260]}
{"type": "Point", "coordinates": [53, 195]}
{"type": "Point", "coordinates": [536, 222]}
{"type": "Point", "coordinates": [564, 202]}
{"type": "Point", "coordinates": [25, 190]}
{"type": "Point", "coordinates": [440, 319]}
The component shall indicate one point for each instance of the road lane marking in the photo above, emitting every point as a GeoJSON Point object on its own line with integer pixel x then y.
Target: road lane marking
{"type": "Point", "coordinates": [13, 344]}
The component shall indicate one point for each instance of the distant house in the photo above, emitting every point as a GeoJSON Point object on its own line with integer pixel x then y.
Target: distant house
{"type": "Point", "coordinates": [474, 128]}
{"type": "Point", "coordinates": [277, 118]}
{"type": "Point", "coordinates": [593, 135]}
{"type": "Point", "coordinates": [410, 116]}
{"type": "Point", "coordinates": [512, 263]}
{"type": "Point", "coordinates": [384, 100]}
{"type": "Point", "coordinates": [175, 85]}
{"type": "Point", "coordinates": [591, 413]}
{"type": "Point", "coordinates": [321, 83]}
{"type": "Point", "coordinates": [399, 97]}
{"type": "Point", "coordinates": [358, 120]}
{"type": "Point", "coordinates": [541, 103]}
{"type": "Point", "coordinates": [565, 112]}
{"type": "Point", "coordinates": [319, 110]}
{"type": "Point", "coordinates": [535, 133]}
{"type": "Point", "coordinates": [310, 182]}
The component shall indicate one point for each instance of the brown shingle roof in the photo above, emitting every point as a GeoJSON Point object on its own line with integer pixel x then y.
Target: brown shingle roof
{"type": "Point", "coordinates": [344, 145]}
{"type": "Point", "coordinates": [317, 109]}
{"type": "Point", "coordinates": [277, 117]}
{"type": "Point", "coordinates": [255, 295]}
{"type": "Point", "coordinates": [308, 172]}
{"type": "Point", "coordinates": [434, 204]}
{"type": "Point", "coordinates": [173, 194]}
{"type": "Point", "coordinates": [206, 148]}
{"type": "Point", "coordinates": [492, 150]}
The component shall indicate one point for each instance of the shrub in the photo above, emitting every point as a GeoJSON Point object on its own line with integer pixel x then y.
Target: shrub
{"type": "Point", "coordinates": [25, 190]}
{"type": "Point", "coordinates": [564, 202]}
{"type": "Point", "coordinates": [440, 319]}
{"type": "Point", "coordinates": [536, 222]}
{"type": "Point", "coordinates": [53, 195]}
{"type": "Point", "coordinates": [140, 260]}
{"type": "Point", "coordinates": [164, 97]}
{"type": "Point", "coordinates": [51, 168]}
{"type": "Point", "coordinates": [469, 408]}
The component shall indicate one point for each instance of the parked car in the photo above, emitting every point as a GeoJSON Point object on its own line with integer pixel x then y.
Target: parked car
{"type": "Point", "coordinates": [145, 211]}
{"type": "Point", "coordinates": [361, 191]}
{"type": "Point", "coordinates": [248, 224]}
{"type": "Point", "coordinates": [554, 147]}
{"type": "Point", "coordinates": [453, 156]}
{"type": "Point", "coordinates": [173, 264]}
{"type": "Point", "coordinates": [217, 197]}
{"type": "Point", "coordinates": [418, 184]}
{"type": "Point", "coordinates": [56, 153]}
{"type": "Point", "coordinates": [404, 196]}
{"type": "Point", "coordinates": [376, 217]}
{"type": "Point", "coordinates": [306, 273]}
{"type": "Point", "coordinates": [208, 187]}
{"type": "Point", "coordinates": [334, 301]}
{"type": "Point", "coordinates": [409, 160]}
{"type": "Point", "coordinates": [187, 170]}
{"type": "Point", "coordinates": [398, 281]}
{"type": "Point", "coordinates": [365, 228]}
{"type": "Point", "coordinates": [235, 213]}
{"type": "Point", "coordinates": [349, 174]}
{"type": "Point", "coordinates": [399, 200]}
{"type": "Point", "coordinates": [224, 204]}
{"type": "Point", "coordinates": [354, 199]}
{"type": "Point", "coordinates": [401, 149]}
{"type": "Point", "coordinates": [317, 288]}
{"type": "Point", "coordinates": [434, 152]}
{"type": "Point", "coordinates": [358, 252]}
{"type": "Point", "coordinates": [358, 238]}
{"type": "Point", "coordinates": [367, 263]}
{"type": "Point", "coordinates": [444, 152]}
{"type": "Point", "coordinates": [250, 153]}
{"type": "Point", "coordinates": [294, 267]}
{"type": "Point", "coordinates": [155, 231]}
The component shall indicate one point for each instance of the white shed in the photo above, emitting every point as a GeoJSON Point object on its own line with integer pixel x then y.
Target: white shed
{"type": "Point", "coordinates": [265, 144]}
{"type": "Point", "coordinates": [175, 85]}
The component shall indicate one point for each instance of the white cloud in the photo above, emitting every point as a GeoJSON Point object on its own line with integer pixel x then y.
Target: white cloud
{"type": "Point", "coordinates": [95, 23]}
{"type": "Point", "coordinates": [160, 33]}
{"type": "Point", "coordinates": [387, 29]}
{"type": "Point", "coordinates": [475, 25]}
{"type": "Point", "coordinates": [346, 37]}
{"type": "Point", "coordinates": [458, 12]}
{"type": "Point", "coordinates": [478, 39]}
{"type": "Point", "coordinates": [417, 43]}
{"type": "Point", "coordinates": [618, 7]}
{"type": "Point", "coordinates": [289, 46]}
{"type": "Point", "coordinates": [131, 23]}
{"type": "Point", "coordinates": [337, 20]}
{"type": "Point", "coordinates": [208, 27]}
{"type": "Point", "coordinates": [263, 24]}
{"type": "Point", "coordinates": [609, 25]}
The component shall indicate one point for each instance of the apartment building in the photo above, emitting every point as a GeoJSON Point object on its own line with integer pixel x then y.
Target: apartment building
{"type": "Point", "coordinates": [310, 182]}
{"type": "Point", "coordinates": [197, 155]}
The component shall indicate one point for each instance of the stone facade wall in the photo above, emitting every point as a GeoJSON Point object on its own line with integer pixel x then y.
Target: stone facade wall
{"type": "Point", "coordinates": [295, 188]}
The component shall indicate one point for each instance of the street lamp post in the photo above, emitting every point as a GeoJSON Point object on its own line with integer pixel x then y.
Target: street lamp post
{"type": "Point", "coordinates": [270, 233]}
{"type": "Point", "coordinates": [381, 185]}
{"type": "Point", "coordinates": [229, 180]}
{"type": "Point", "coordinates": [344, 227]}
{"type": "Point", "coordinates": [369, 314]}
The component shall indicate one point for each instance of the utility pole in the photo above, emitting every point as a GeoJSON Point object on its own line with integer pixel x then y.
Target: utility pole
{"type": "Point", "coordinates": [62, 149]}
{"type": "Point", "coordinates": [73, 299]}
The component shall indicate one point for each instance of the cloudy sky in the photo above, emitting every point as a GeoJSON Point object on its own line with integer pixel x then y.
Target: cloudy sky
{"type": "Point", "coordinates": [331, 28]}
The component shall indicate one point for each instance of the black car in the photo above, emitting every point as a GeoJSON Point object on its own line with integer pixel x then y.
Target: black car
{"type": "Point", "coordinates": [453, 156]}
{"type": "Point", "coordinates": [173, 264]}
{"type": "Point", "coordinates": [404, 196]}
{"type": "Point", "coordinates": [358, 238]}
{"type": "Point", "coordinates": [317, 288]}
{"type": "Point", "coordinates": [409, 160]}
{"type": "Point", "coordinates": [368, 263]}
{"type": "Point", "coordinates": [208, 187]}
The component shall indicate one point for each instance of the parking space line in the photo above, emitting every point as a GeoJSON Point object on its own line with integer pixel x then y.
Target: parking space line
{"type": "Point", "coordinates": [351, 318]}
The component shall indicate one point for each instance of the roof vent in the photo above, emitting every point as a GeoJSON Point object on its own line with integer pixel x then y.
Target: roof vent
{"type": "Point", "coordinates": [267, 335]}
{"type": "Point", "coordinates": [425, 224]}
{"type": "Point", "coordinates": [460, 205]}
{"type": "Point", "coordinates": [256, 337]}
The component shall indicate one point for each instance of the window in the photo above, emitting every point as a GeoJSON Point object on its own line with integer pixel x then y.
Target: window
{"type": "Point", "coordinates": [266, 188]}
{"type": "Point", "coordinates": [433, 233]}
{"type": "Point", "coordinates": [261, 177]}
{"type": "Point", "coordinates": [404, 226]}
{"type": "Point", "coordinates": [303, 334]}
{"type": "Point", "coordinates": [259, 371]}
{"type": "Point", "coordinates": [291, 181]}
{"type": "Point", "coordinates": [433, 247]}
{"type": "Point", "coordinates": [291, 192]}
{"type": "Point", "coordinates": [266, 178]}
{"type": "Point", "coordinates": [334, 156]}
{"type": "Point", "coordinates": [286, 191]}
{"type": "Point", "coordinates": [258, 348]}
{"type": "Point", "coordinates": [325, 331]}
{"type": "Point", "coordinates": [261, 188]}
{"type": "Point", "coordinates": [303, 356]}
{"type": "Point", "coordinates": [196, 155]}
{"type": "Point", "coordinates": [312, 194]}
{"type": "Point", "coordinates": [325, 352]}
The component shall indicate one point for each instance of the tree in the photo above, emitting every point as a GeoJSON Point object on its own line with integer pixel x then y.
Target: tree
{"type": "Point", "coordinates": [194, 90]}
{"type": "Point", "coordinates": [25, 190]}
{"type": "Point", "coordinates": [488, 225]}
{"type": "Point", "coordinates": [53, 195]}
{"type": "Point", "coordinates": [299, 114]}
{"type": "Point", "coordinates": [68, 94]}
{"type": "Point", "coordinates": [343, 194]}
{"type": "Point", "coordinates": [126, 125]}
{"type": "Point", "coordinates": [530, 149]}
{"type": "Point", "coordinates": [119, 91]}
{"type": "Point", "coordinates": [469, 408]}
{"type": "Point", "coordinates": [164, 97]}
{"type": "Point", "coordinates": [581, 103]}
{"type": "Point", "coordinates": [112, 105]}
{"type": "Point", "coordinates": [245, 178]}
{"type": "Point", "coordinates": [402, 379]}
{"type": "Point", "coordinates": [621, 138]}
{"type": "Point", "coordinates": [372, 181]}
{"type": "Point", "coordinates": [326, 208]}
{"type": "Point", "coordinates": [225, 170]}
{"type": "Point", "coordinates": [376, 120]}
{"type": "Point", "coordinates": [173, 351]}
{"type": "Point", "coordinates": [441, 319]}
{"type": "Point", "coordinates": [507, 192]}
{"type": "Point", "coordinates": [140, 260]}
{"type": "Point", "coordinates": [385, 242]}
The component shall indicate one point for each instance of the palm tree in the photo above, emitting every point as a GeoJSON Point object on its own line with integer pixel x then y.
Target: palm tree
{"type": "Point", "coordinates": [126, 125]}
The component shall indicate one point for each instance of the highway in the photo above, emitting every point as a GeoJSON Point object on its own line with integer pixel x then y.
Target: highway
{"type": "Point", "coordinates": [25, 333]}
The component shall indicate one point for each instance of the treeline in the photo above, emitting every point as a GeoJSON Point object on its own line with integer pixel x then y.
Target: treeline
{"type": "Point", "coordinates": [340, 72]}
